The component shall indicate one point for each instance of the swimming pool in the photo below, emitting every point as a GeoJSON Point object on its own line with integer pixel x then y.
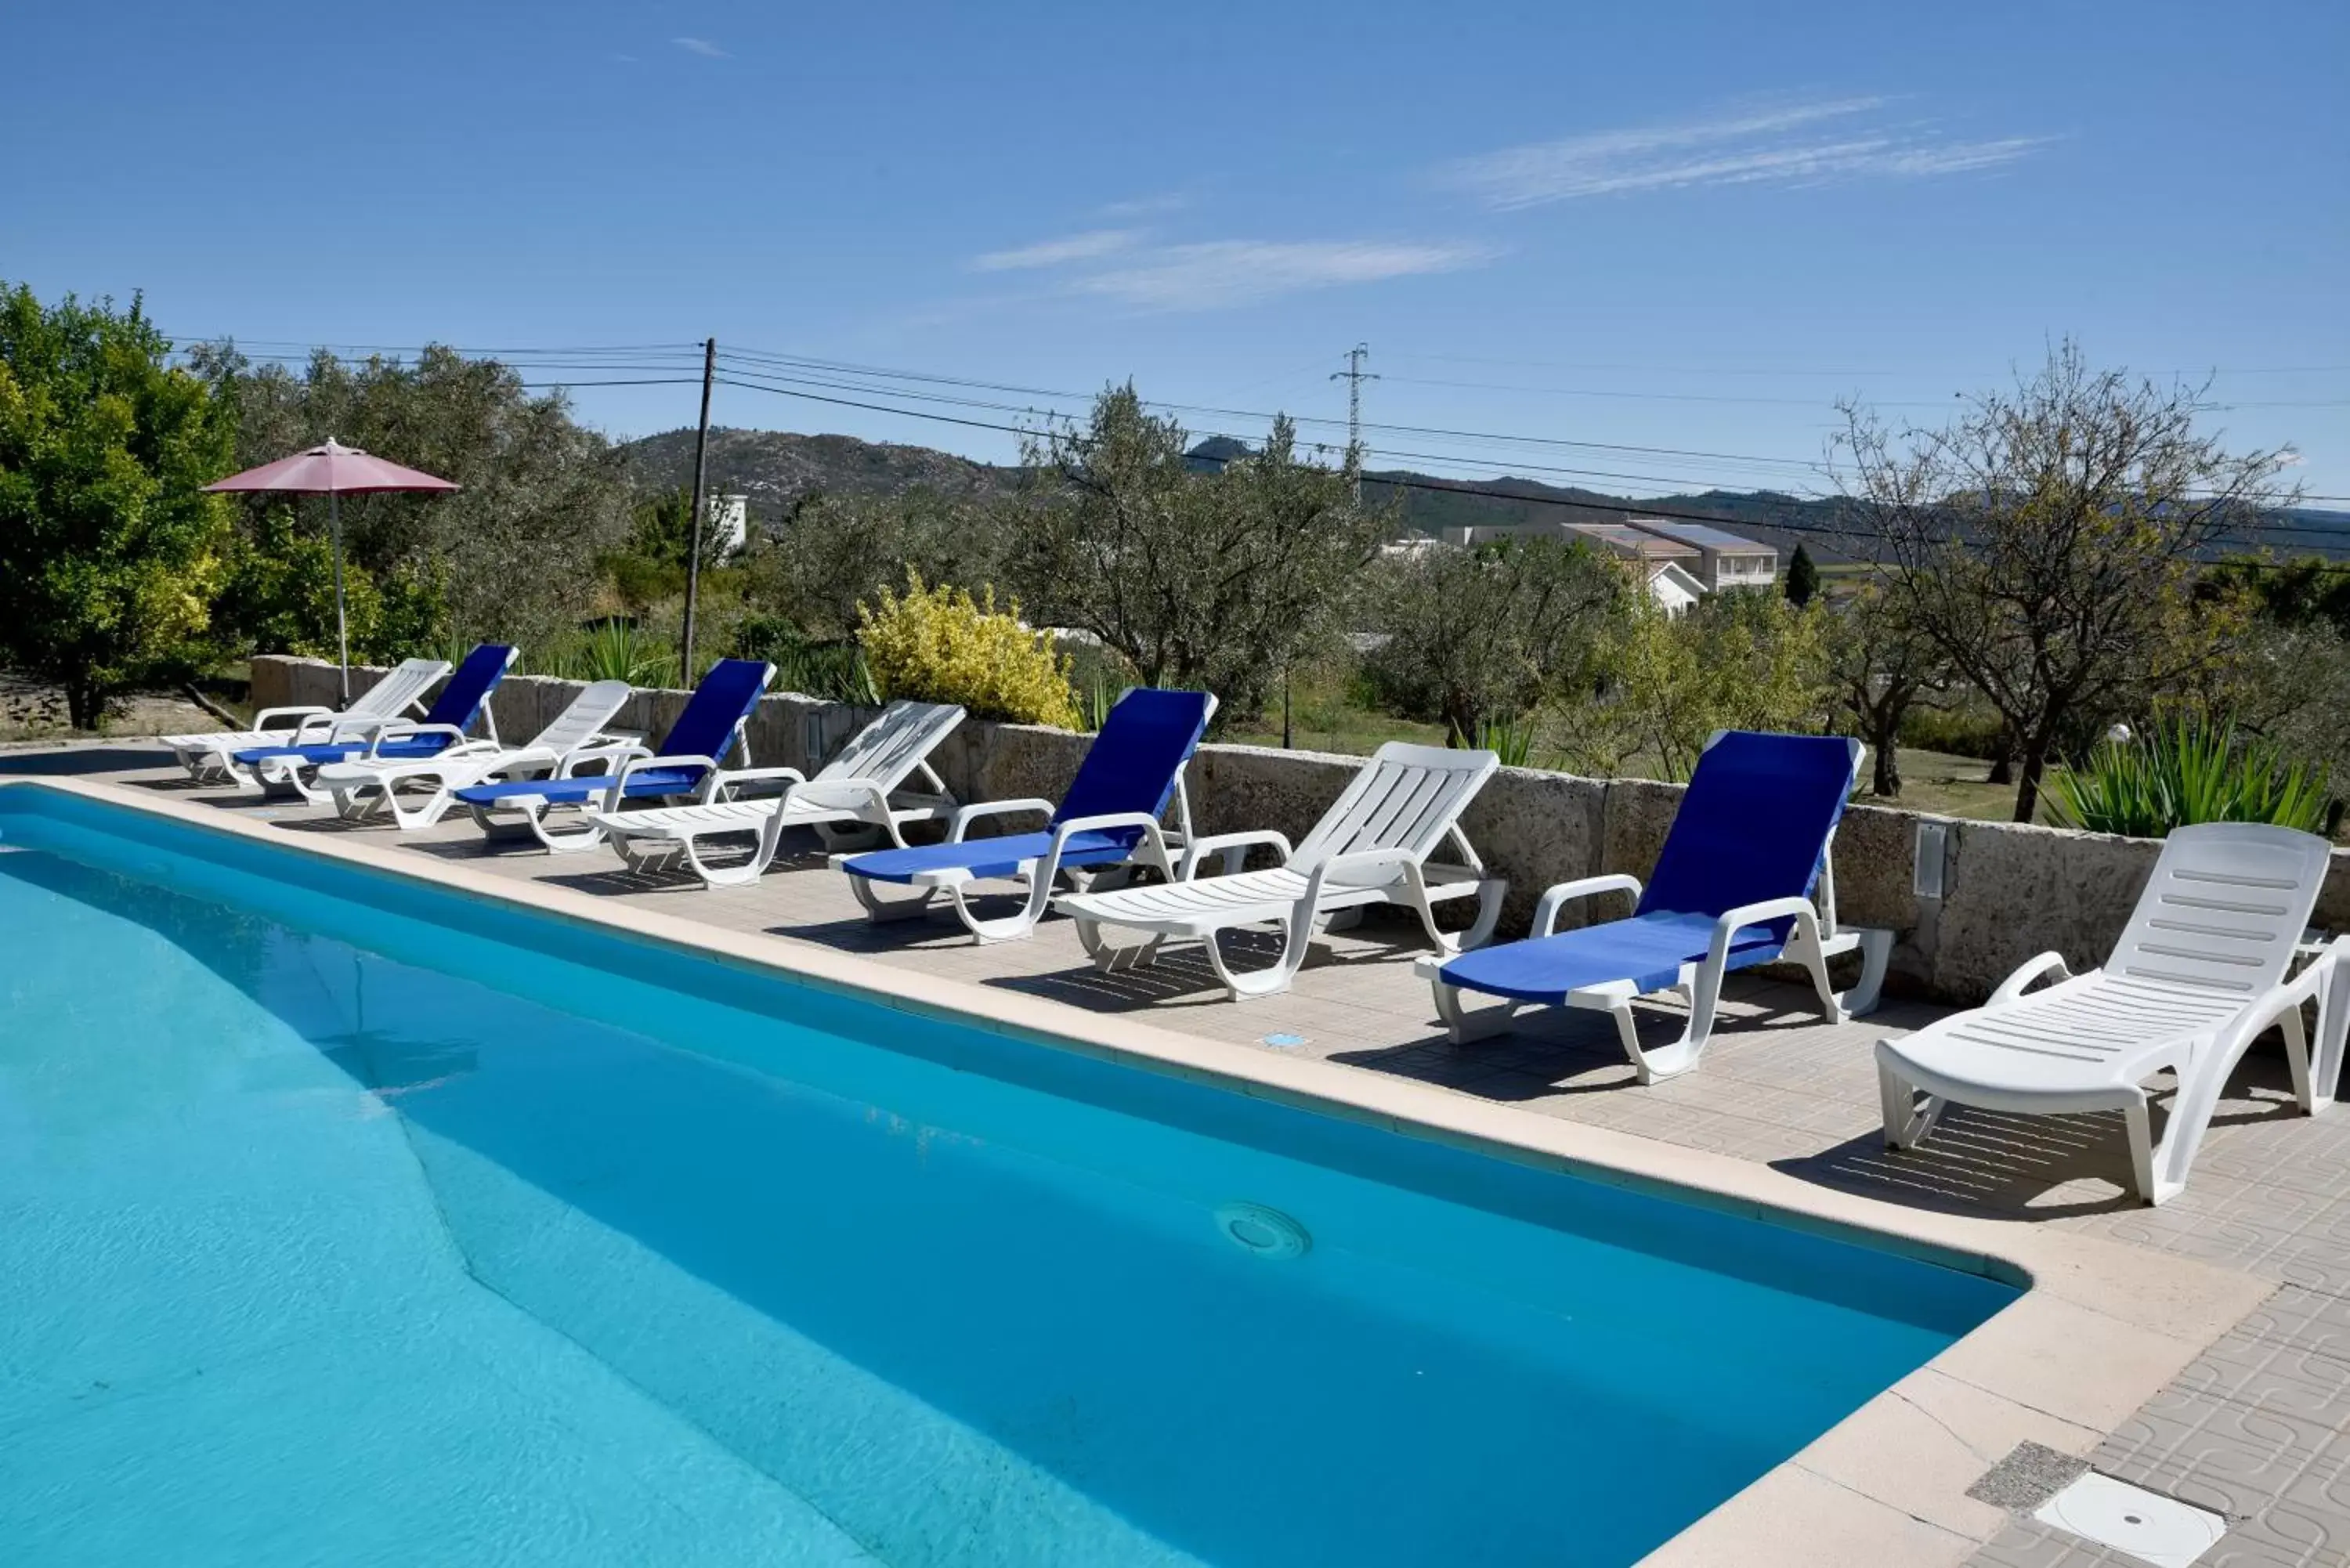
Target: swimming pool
{"type": "Point", "coordinates": [352, 1218]}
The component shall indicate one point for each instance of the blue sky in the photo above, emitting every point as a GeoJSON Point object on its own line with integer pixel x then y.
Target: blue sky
{"type": "Point", "coordinates": [1661, 225]}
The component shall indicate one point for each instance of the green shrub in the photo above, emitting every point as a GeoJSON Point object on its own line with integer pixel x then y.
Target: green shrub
{"type": "Point", "coordinates": [1512, 738]}
{"type": "Point", "coordinates": [2187, 768]}
{"type": "Point", "coordinates": [1971, 730]}
{"type": "Point", "coordinates": [940, 645]}
{"type": "Point", "coordinates": [615, 650]}
{"type": "Point", "coordinates": [833, 671]}
{"type": "Point", "coordinates": [1098, 678]}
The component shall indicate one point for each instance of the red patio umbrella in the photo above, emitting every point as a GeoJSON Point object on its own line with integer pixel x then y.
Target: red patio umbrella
{"type": "Point", "coordinates": [339, 471]}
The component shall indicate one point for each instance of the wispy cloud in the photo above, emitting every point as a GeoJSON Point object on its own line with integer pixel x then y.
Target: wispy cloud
{"type": "Point", "coordinates": [703, 46]}
{"type": "Point", "coordinates": [1146, 206]}
{"type": "Point", "coordinates": [1221, 273]}
{"type": "Point", "coordinates": [1091, 245]}
{"type": "Point", "coordinates": [1783, 144]}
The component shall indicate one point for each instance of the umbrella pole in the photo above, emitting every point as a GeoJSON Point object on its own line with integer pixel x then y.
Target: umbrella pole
{"type": "Point", "coordinates": [342, 631]}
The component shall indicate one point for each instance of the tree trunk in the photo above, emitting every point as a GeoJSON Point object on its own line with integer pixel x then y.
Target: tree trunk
{"type": "Point", "coordinates": [84, 702]}
{"type": "Point", "coordinates": [2027, 787]}
{"type": "Point", "coordinates": [1887, 784]}
{"type": "Point", "coordinates": [2003, 760]}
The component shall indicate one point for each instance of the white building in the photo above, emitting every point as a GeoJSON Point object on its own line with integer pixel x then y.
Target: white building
{"type": "Point", "coordinates": [1673, 586]}
{"type": "Point", "coordinates": [729, 522]}
{"type": "Point", "coordinates": [1724, 559]}
{"type": "Point", "coordinates": [1670, 567]}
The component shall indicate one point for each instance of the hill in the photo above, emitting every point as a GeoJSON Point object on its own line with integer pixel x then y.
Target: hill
{"type": "Point", "coordinates": [776, 469]}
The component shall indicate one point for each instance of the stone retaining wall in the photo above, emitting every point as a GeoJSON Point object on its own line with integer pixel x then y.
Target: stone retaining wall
{"type": "Point", "coordinates": [2007, 892]}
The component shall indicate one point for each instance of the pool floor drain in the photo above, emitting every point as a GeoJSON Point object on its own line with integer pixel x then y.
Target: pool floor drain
{"type": "Point", "coordinates": [1265, 1233]}
{"type": "Point", "coordinates": [2153, 1529]}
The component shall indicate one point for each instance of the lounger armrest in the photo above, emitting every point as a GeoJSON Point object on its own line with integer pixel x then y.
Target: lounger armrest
{"type": "Point", "coordinates": [965, 816]}
{"type": "Point", "coordinates": [1732, 921]}
{"type": "Point", "coordinates": [318, 729]}
{"type": "Point", "coordinates": [267, 716]}
{"type": "Point", "coordinates": [1224, 843]}
{"type": "Point", "coordinates": [722, 783]}
{"type": "Point", "coordinates": [828, 794]}
{"type": "Point", "coordinates": [1350, 870]}
{"type": "Point", "coordinates": [402, 729]}
{"type": "Point", "coordinates": [545, 758]}
{"type": "Point", "coordinates": [1108, 823]}
{"type": "Point", "coordinates": [2031, 968]}
{"type": "Point", "coordinates": [608, 797]}
{"type": "Point", "coordinates": [2261, 1011]}
{"type": "Point", "coordinates": [611, 753]}
{"type": "Point", "coordinates": [1049, 867]}
{"type": "Point", "coordinates": [1554, 901]}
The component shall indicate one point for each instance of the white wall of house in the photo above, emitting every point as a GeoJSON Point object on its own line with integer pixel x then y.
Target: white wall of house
{"type": "Point", "coordinates": [1674, 588]}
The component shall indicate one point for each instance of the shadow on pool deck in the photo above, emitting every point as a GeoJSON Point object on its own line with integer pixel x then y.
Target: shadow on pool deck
{"type": "Point", "coordinates": [81, 762]}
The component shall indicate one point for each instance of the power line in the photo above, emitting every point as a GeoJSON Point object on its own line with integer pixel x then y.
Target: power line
{"type": "Point", "coordinates": [1793, 371]}
{"type": "Point", "coordinates": [872, 371]}
{"type": "Point", "coordinates": [1065, 415]}
{"type": "Point", "coordinates": [1790, 525]}
{"type": "Point", "coordinates": [778, 367]}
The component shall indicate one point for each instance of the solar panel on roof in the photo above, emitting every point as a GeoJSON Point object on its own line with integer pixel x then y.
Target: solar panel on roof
{"type": "Point", "coordinates": [1699, 534]}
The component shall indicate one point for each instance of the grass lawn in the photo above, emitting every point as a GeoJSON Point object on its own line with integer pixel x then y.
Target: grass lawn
{"type": "Point", "coordinates": [1948, 785]}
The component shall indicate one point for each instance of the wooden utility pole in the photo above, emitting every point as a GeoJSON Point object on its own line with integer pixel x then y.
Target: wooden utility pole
{"type": "Point", "coordinates": [693, 538]}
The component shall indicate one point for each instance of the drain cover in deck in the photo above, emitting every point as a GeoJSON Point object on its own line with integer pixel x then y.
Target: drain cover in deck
{"type": "Point", "coordinates": [2159, 1530]}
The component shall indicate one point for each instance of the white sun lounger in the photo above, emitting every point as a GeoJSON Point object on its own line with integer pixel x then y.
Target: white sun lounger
{"type": "Point", "coordinates": [371, 783]}
{"type": "Point", "coordinates": [2198, 974]}
{"type": "Point", "coordinates": [865, 785]}
{"type": "Point", "coordinates": [1373, 846]}
{"type": "Point", "coordinates": [213, 754]}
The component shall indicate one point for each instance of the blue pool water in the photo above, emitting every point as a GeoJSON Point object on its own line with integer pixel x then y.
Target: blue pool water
{"type": "Point", "coordinates": [349, 1221]}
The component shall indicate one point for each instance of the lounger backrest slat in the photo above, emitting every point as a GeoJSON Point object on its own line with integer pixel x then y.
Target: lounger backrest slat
{"type": "Point", "coordinates": [717, 708]}
{"type": "Point", "coordinates": [584, 719]}
{"type": "Point", "coordinates": [404, 684]}
{"type": "Point", "coordinates": [1754, 824]}
{"type": "Point", "coordinates": [2225, 906]}
{"type": "Point", "coordinates": [1134, 763]}
{"type": "Point", "coordinates": [893, 746]}
{"type": "Point", "coordinates": [1406, 798]}
{"type": "Point", "coordinates": [460, 702]}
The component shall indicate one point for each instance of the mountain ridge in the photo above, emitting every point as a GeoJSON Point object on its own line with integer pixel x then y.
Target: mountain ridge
{"type": "Point", "coordinates": [779, 469]}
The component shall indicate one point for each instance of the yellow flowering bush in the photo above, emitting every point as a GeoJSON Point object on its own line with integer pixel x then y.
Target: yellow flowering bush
{"type": "Point", "coordinates": [940, 645]}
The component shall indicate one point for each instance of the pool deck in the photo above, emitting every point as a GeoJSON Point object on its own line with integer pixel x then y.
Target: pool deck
{"type": "Point", "coordinates": [2230, 1306]}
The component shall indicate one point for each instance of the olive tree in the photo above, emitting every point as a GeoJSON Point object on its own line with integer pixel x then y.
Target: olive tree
{"type": "Point", "coordinates": [835, 553]}
{"type": "Point", "coordinates": [110, 551]}
{"type": "Point", "coordinates": [1744, 659]}
{"type": "Point", "coordinates": [1882, 665]}
{"type": "Point", "coordinates": [513, 554]}
{"type": "Point", "coordinates": [1473, 633]}
{"type": "Point", "coordinates": [1222, 579]}
{"type": "Point", "coordinates": [2048, 540]}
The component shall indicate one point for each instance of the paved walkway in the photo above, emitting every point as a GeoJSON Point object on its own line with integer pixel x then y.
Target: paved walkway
{"type": "Point", "coordinates": [2259, 1429]}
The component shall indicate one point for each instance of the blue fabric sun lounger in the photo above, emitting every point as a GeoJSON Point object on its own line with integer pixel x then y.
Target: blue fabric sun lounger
{"type": "Point", "coordinates": [1734, 886]}
{"type": "Point", "coordinates": [464, 699]}
{"type": "Point", "coordinates": [690, 755]}
{"type": "Point", "coordinates": [1109, 820]}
